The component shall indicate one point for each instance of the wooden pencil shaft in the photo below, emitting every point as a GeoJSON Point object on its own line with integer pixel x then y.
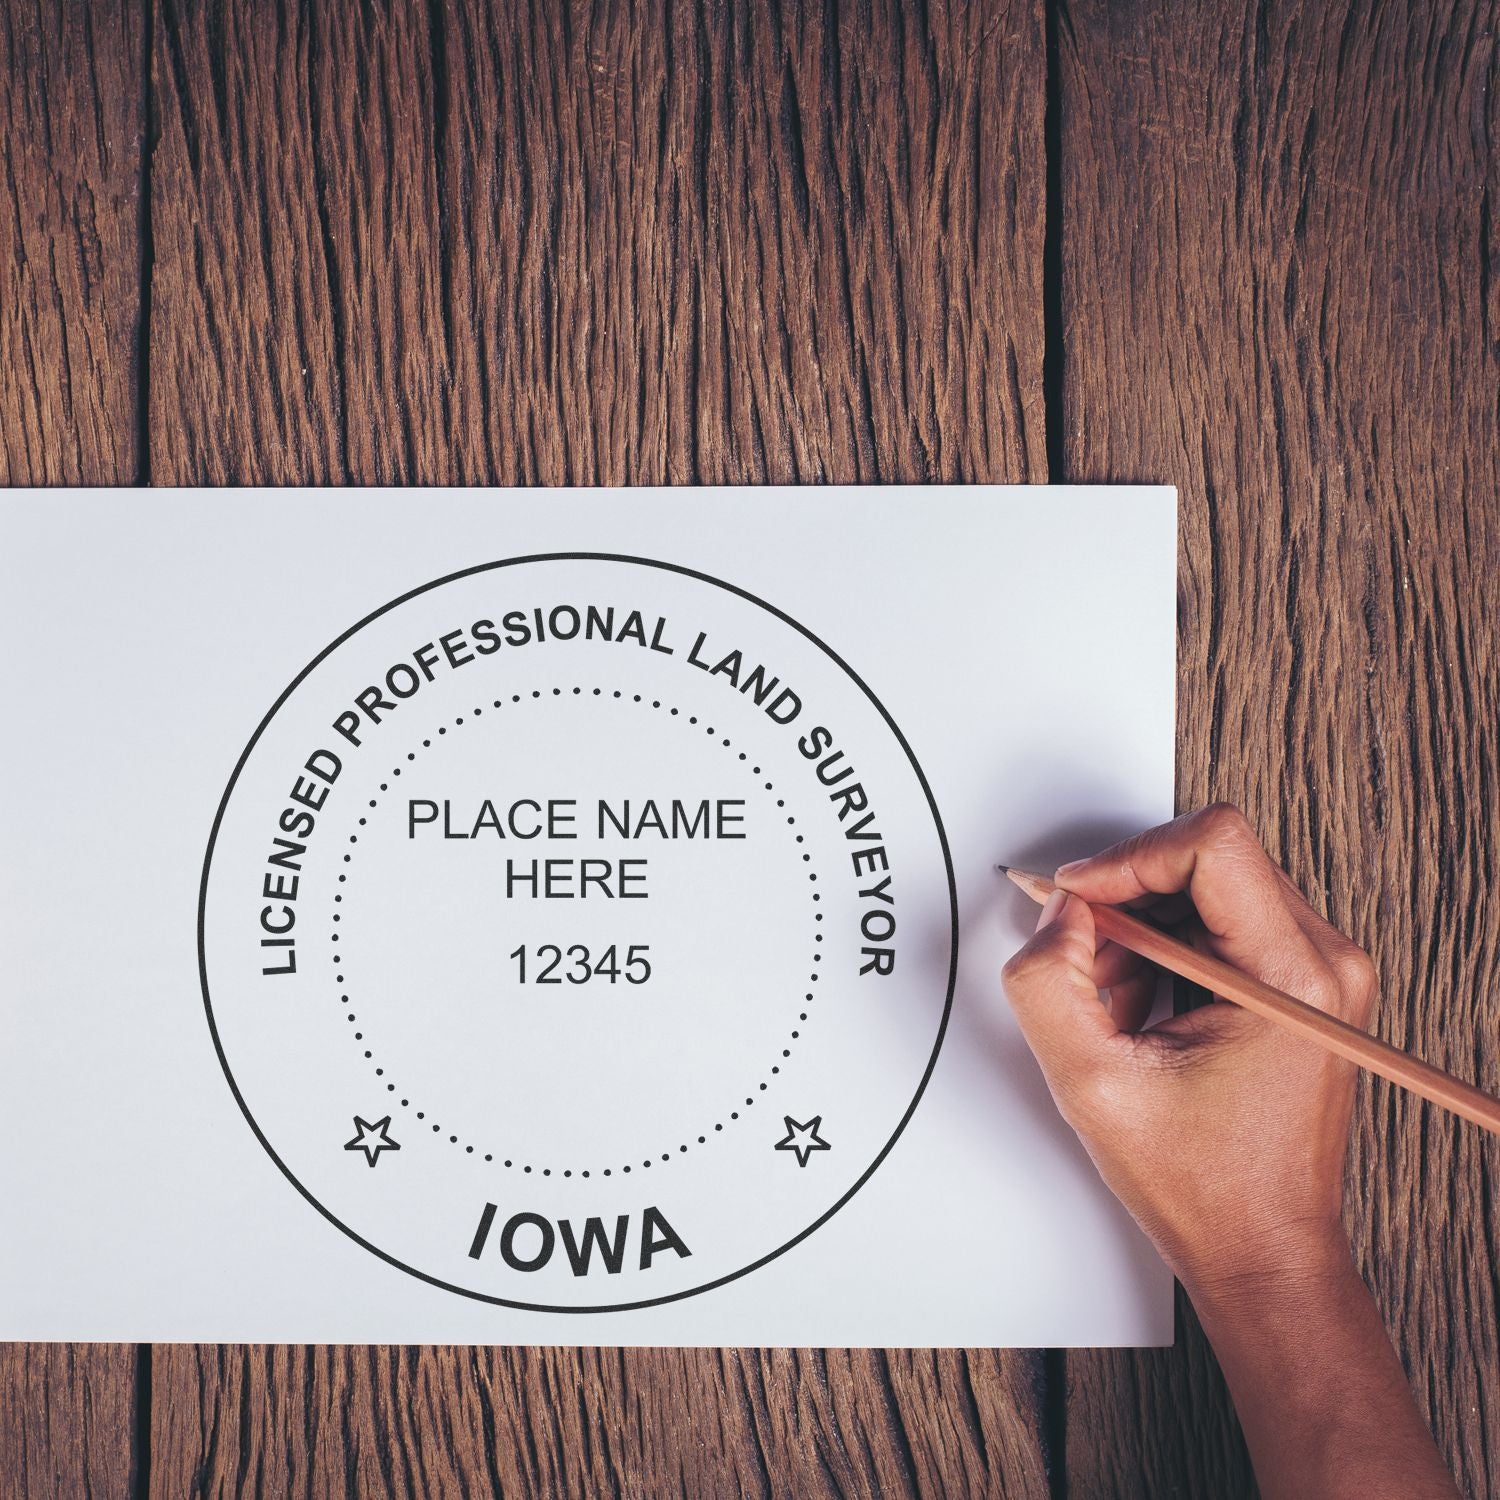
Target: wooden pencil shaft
{"type": "Point", "coordinates": [1339, 1037]}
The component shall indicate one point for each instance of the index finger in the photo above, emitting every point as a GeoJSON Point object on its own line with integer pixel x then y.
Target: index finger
{"type": "Point", "coordinates": [1240, 895]}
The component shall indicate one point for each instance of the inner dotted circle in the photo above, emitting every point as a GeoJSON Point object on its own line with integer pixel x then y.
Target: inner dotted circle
{"type": "Point", "coordinates": [557, 692]}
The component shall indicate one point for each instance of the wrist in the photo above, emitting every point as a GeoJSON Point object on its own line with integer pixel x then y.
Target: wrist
{"type": "Point", "coordinates": [1319, 1391]}
{"type": "Point", "coordinates": [1298, 1264]}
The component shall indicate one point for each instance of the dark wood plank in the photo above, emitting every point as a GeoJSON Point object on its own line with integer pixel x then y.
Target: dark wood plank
{"type": "Point", "coordinates": [1280, 292]}
{"type": "Point", "coordinates": [439, 1421]}
{"type": "Point", "coordinates": [245, 368]}
{"type": "Point", "coordinates": [596, 244]}
{"type": "Point", "coordinates": [71, 120]}
{"type": "Point", "coordinates": [68, 1420]}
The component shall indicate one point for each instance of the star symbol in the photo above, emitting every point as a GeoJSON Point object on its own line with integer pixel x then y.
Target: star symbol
{"type": "Point", "coordinates": [803, 1139]}
{"type": "Point", "coordinates": [372, 1139]}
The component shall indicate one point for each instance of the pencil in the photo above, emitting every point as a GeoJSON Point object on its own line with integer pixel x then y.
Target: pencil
{"type": "Point", "coordinates": [1339, 1037]}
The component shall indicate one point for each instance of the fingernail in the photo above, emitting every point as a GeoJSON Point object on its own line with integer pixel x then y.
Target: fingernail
{"type": "Point", "coordinates": [1071, 868]}
{"type": "Point", "coordinates": [1050, 908]}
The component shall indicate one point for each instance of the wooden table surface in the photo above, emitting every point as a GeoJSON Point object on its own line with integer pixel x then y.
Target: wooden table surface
{"type": "Point", "coordinates": [1249, 249]}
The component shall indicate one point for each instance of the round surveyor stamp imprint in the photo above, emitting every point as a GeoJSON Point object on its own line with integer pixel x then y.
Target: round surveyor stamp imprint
{"type": "Point", "coordinates": [577, 932]}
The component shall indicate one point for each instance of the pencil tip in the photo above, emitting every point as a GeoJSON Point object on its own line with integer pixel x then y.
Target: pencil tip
{"type": "Point", "coordinates": [1003, 869]}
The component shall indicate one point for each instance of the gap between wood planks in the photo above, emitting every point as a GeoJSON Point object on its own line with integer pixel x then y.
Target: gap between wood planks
{"type": "Point", "coordinates": [149, 130]}
{"type": "Point", "coordinates": [1054, 1433]}
{"type": "Point", "coordinates": [1053, 1362]}
{"type": "Point", "coordinates": [140, 1437]}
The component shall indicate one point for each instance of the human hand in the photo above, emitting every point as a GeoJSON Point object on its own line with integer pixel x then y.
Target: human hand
{"type": "Point", "coordinates": [1221, 1133]}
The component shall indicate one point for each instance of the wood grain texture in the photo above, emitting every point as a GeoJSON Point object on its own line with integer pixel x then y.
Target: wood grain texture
{"type": "Point", "coordinates": [598, 244]}
{"type": "Point", "coordinates": [71, 121]}
{"type": "Point", "coordinates": [602, 244]}
{"type": "Point", "coordinates": [71, 126]}
{"type": "Point", "coordinates": [1280, 292]}
{"type": "Point", "coordinates": [446, 1421]}
{"type": "Point", "coordinates": [68, 1421]}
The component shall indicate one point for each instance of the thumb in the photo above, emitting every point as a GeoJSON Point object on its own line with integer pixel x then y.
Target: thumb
{"type": "Point", "coordinates": [1051, 988]}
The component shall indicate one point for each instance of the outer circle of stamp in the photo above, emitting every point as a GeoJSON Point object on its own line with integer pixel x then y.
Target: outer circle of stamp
{"type": "Point", "coordinates": [799, 629]}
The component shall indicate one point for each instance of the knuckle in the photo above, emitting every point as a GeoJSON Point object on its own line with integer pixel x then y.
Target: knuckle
{"type": "Point", "coordinates": [1342, 982]}
{"type": "Point", "coordinates": [1095, 1096]}
{"type": "Point", "coordinates": [1226, 824]}
{"type": "Point", "coordinates": [1356, 973]}
{"type": "Point", "coordinates": [1321, 989]}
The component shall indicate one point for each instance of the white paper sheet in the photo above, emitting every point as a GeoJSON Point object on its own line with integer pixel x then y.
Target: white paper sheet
{"type": "Point", "coordinates": [460, 916]}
